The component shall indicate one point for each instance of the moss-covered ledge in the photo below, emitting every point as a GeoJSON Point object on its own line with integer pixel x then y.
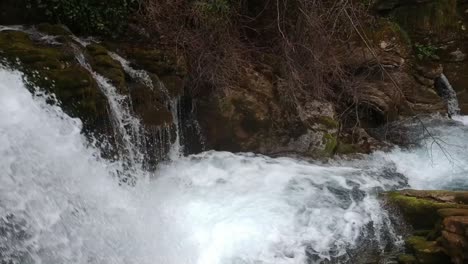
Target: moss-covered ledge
{"type": "Point", "coordinates": [440, 225]}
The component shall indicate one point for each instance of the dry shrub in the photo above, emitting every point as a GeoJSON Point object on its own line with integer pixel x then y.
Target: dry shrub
{"type": "Point", "coordinates": [206, 31]}
{"type": "Point", "coordinates": [219, 37]}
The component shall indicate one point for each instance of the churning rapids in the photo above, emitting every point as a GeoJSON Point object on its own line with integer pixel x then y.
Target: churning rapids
{"type": "Point", "coordinates": [60, 202]}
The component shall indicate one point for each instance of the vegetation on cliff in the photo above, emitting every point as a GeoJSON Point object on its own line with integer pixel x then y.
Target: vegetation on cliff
{"type": "Point", "coordinates": [288, 75]}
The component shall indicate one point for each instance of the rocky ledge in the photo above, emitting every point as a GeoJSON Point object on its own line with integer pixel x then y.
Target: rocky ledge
{"type": "Point", "coordinates": [439, 224]}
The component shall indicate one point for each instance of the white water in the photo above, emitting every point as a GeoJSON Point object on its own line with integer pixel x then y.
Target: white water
{"type": "Point", "coordinates": [140, 75]}
{"type": "Point", "coordinates": [450, 95]}
{"type": "Point", "coordinates": [60, 203]}
{"type": "Point", "coordinates": [441, 162]}
{"type": "Point", "coordinates": [127, 127]}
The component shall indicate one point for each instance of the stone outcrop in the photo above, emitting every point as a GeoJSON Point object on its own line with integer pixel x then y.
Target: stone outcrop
{"type": "Point", "coordinates": [409, 44]}
{"type": "Point", "coordinates": [252, 117]}
{"type": "Point", "coordinates": [438, 31]}
{"type": "Point", "coordinates": [47, 54]}
{"type": "Point", "coordinates": [439, 220]}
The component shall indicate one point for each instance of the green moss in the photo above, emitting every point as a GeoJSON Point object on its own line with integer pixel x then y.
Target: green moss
{"type": "Point", "coordinates": [401, 32]}
{"type": "Point", "coordinates": [425, 51]}
{"type": "Point", "coordinates": [96, 49]}
{"type": "Point", "coordinates": [106, 66]}
{"type": "Point", "coordinates": [159, 62]}
{"type": "Point", "coordinates": [344, 148]}
{"type": "Point", "coordinates": [17, 45]}
{"type": "Point", "coordinates": [328, 122]}
{"type": "Point", "coordinates": [331, 142]}
{"type": "Point", "coordinates": [420, 213]}
{"type": "Point", "coordinates": [106, 61]}
{"type": "Point", "coordinates": [407, 259]}
{"type": "Point", "coordinates": [385, 29]}
{"type": "Point", "coordinates": [55, 70]}
{"type": "Point", "coordinates": [54, 30]}
{"type": "Point", "coordinates": [426, 251]}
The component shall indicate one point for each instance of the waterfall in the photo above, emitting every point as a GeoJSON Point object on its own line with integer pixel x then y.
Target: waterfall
{"type": "Point", "coordinates": [127, 128]}
{"type": "Point", "coordinates": [447, 92]}
{"type": "Point", "coordinates": [140, 75]}
{"type": "Point", "coordinates": [176, 149]}
{"type": "Point", "coordinates": [60, 201]}
{"type": "Point", "coordinates": [208, 208]}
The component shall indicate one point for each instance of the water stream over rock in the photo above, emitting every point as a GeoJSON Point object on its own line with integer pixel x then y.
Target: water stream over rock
{"type": "Point", "coordinates": [61, 202]}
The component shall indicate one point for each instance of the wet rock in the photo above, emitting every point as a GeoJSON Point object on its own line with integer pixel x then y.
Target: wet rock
{"type": "Point", "coordinates": [106, 66]}
{"type": "Point", "coordinates": [420, 208]}
{"type": "Point", "coordinates": [55, 68]}
{"type": "Point", "coordinates": [253, 117]}
{"type": "Point", "coordinates": [446, 212]}
{"type": "Point", "coordinates": [456, 246]}
{"type": "Point", "coordinates": [428, 252]}
{"type": "Point", "coordinates": [53, 30]}
{"type": "Point", "coordinates": [407, 259]}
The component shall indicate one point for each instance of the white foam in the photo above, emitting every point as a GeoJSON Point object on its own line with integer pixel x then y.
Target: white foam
{"type": "Point", "coordinates": [210, 208]}
{"type": "Point", "coordinates": [462, 119]}
{"type": "Point", "coordinates": [440, 162]}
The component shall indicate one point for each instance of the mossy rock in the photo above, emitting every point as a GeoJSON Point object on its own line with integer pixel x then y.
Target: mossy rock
{"type": "Point", "coordinates": [106, 66]}
{"type": "Point", "coordinates": [421, 212]}
{"type": "Point", "coordinates": [159, 62]}
{"type": "Point", "coordinates": [55, 69]}
{"type": "Point", "coordinates": [427, 252]}
{"type": "Point", "coordinates": [331, 143]}
{"type": "Point", "coordinates": [18, 45]}
{"type": "Point", "coordinates": [149, 106]}
{"type": "Point", "coordinates": [54, 30]}
{"type": "Point", "coordinates": [386, 30]}
{"type": "Point", "coordinates": [446, 212]}
{"type": "Point", "coordinates": [407, 259]}
{"type": "Point", "coordinates": [344, 148]}
{"type": "Point", "coordinates": [96, 49]}
{"type": "Point", "coordinates": [328, 122]}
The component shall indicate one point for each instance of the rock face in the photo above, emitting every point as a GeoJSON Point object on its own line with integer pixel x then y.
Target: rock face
{"type": "Point", "coordinates": [438, 32]}
{"type": "Point", "coordinates": [251, 117]}
{"type": "Point", "coordinates": [440, 221]}
{"type": "Point", "coordinates": [408, 45]}
{"type": "Point", "coordinates": [256, 116]}
{"type": "Point", "coordinates": [47, 54]}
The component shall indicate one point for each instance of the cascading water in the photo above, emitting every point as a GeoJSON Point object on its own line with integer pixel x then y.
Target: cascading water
{"type": "Point", "coordinates": [61, 203]}
{"type": "Point", "coordinates": [127, 127]}
{"type": "Point", "coordinates": [447, 92]}
{"type": "Point", "coordinates": [140, 75]}
{"type": "Point", "coordinates": [164, 133]}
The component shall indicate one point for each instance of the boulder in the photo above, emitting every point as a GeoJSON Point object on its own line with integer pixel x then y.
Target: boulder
{"type": "Point", "coordinates": [446, 213]}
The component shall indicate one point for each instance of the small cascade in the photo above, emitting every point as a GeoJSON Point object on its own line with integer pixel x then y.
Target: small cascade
{"type": "Point", "coordinates": [127, 128]}
{"type": "Point", "coordinates": [447, 92]}
{"type": "Point", "coordinates": [59, 202]}
{"type": "Point", "coordinates": [176, 150]}
{"type": "Point", "coordinates": [162, 136]}
{"type": "Point", "coordinates": [140, 75]}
